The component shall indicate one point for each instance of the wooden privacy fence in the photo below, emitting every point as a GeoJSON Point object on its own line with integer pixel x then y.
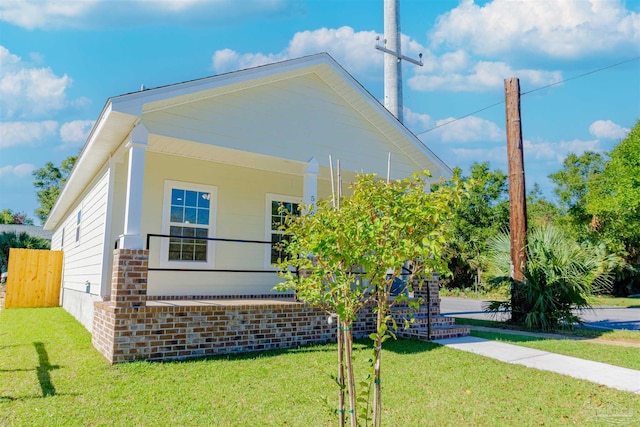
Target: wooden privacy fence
{"type": "Point", "coordinates": [34, 278]}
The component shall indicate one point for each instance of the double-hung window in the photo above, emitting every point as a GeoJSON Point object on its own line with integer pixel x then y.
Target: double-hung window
{"type": "Point", "coordinates": [189, 218]}
{"type": "Point", "coordinates": [278, 207]}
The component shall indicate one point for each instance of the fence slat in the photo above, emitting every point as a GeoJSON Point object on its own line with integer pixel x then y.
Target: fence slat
{"type": "Point", "coordinates": [34, 278]}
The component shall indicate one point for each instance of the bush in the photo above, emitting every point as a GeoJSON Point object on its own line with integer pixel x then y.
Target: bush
{"type": "Point", "coordinates": [560, 275]}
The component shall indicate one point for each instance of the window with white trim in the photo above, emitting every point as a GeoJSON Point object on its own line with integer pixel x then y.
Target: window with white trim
{"type": "Point", "coordinates": [189, 217]}
{"type": "Point", "coordinates": [278, 207]}
{"type": "Point", "coordinates": [78, 225]}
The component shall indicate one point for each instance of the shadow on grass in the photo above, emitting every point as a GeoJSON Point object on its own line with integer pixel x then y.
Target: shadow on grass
{"type": "Point", "coordinates": [43, 369]}
{"type": "Point", "coordinates": [399, 346]}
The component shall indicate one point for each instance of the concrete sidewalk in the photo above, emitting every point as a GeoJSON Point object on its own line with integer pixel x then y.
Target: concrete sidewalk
{"type": "Point", "coordinates": [611, 376]}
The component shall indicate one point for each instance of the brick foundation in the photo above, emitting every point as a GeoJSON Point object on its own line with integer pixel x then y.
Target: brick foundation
{"type": "Point", "coordinates": [128, 326]}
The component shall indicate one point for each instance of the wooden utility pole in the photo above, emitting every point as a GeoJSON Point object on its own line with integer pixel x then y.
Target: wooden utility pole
{"type": "Point", "coordinates": [517, 194]}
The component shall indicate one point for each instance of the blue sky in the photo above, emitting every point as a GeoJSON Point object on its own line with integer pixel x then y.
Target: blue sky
{"type": "Point", "coordinates": [61, 60]}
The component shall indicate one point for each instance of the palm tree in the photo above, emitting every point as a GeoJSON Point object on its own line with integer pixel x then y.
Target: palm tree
{"type": "Point", "coordinates": [560, 276]}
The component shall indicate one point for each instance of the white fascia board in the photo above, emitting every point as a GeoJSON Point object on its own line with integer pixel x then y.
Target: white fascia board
{"type": "Point", "coordinates": [447, 172]}
{"type": "Point", "coordinates": [94, 155]}
{"type": "Point", "coordinates": [133, 103]}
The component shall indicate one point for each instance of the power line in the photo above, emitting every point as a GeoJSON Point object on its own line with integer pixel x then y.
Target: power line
{"type": "Point", "coordinates": [582, 75]}
{"type": "Point", "coordinates": [531, 91]}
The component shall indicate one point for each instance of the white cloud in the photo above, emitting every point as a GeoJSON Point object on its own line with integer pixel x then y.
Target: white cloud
{"type": "Point", "coordinates": [450, 130]}
{"type": "Point", "coordinates": [469, 129]}
{"type": "Point", "coordinates": [558, 28]}
{"type": "Point", "coordinates": [19, 171]}
{"type": "Point", "coordinates": [29, 91]}
{"type": "Point", "coordinates": [557, 151]}
{"type": "Point", "coordinates": [352, 49]}
{"type": "Point", "coordinates": [75, 132]}
{"type": "Point", "coordinates": [606, 129]}
{"type": "Point", "coordinates": [91, 14]}
{"type": "Point", "coordinates": [26, 133]}
{"type": "Point", "coordinates": [455, 74]}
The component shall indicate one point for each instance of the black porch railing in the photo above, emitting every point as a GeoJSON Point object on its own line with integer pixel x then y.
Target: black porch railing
{"type": "Point", "coordinates": [214, 239]}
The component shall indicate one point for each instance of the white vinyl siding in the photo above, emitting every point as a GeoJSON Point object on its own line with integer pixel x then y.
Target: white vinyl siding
{"type": "Point", "coordinates": [294, 119]}
{"type": "Point", "coordinates": [83, 247]}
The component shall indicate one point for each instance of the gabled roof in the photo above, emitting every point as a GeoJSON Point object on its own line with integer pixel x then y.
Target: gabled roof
{"type": "Point", "coordinates": [121, 113]}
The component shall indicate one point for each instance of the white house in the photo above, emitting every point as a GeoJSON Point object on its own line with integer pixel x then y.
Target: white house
{"type": "Point", "coordinates": [212, 159]}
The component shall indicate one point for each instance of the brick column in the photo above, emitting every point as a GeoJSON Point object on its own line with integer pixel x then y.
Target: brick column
{"type": "Point", "coordinates": [129, 281]}
{"type": "Point", "coordinates": [428, 284]}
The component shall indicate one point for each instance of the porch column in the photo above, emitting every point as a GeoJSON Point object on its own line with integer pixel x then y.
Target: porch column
{"type": "Point", "coordinates": [310, 184]}
{"type": "Point", "coordinates": [137, 146]}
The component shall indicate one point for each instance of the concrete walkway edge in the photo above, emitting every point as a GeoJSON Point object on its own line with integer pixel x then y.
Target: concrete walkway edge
{"type": "Point", "coordinates": [600, 373]}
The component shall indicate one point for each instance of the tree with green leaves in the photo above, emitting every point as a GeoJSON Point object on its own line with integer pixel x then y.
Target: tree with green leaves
{"type": "Point", "coordinates": [613, 201]}
{"type": "Point", "coordinates": [540, 211]}
{"type": "Point", "coordinates": [352, 253]}
{"type": "Point", "coordinates": [479, 216]}
{"type": "Point", "coordinates": [7, 216]}
{"type": "Point", "coordinates": [572, 183]}
{"type": "Point", "coordinates": [48, 182]}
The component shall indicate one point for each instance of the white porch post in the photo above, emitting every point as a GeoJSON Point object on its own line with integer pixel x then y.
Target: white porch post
{"type": "Point", "coordinates": [310, 184]}
{"type": "Point", "coordinates": [137, 146]}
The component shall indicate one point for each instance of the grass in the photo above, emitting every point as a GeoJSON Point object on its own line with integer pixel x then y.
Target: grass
{"type": "Point", "coordinates": [617, 335]}
{"type": "Point", "coordinates": [606, 301]}
{"type": "Point", "coordinates": [51, 375]}
{"type": "Point", "coordinates": [627, 357]}
{"type": "Point", "coordinates": [501, 294]}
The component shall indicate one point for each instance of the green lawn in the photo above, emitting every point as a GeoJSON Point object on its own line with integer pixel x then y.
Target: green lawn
{"type": "Point", "coordinates": [617, 335]}
{"type": "Point", "coordinates": [51, 375]}
{"type": "Point", "coordinates": [605, 301]}
{"type": "Point", "coordinates": [627, 357]}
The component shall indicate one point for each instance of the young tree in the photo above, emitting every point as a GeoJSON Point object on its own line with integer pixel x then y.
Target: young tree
{"type": "Point", "coordinates": [351, 256]}
{"type": "Point", "coordinates": [7, 216]}
{"type": "Point", "coordinates": [48, 182]}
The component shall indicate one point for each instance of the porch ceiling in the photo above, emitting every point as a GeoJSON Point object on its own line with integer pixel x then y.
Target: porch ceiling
{"type": "Point", "coordinates": [214, 153]}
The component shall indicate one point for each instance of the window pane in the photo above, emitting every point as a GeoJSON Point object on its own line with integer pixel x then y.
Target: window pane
{"type": "Point", "coordinates": [192, 198]}
{"type": "Point", "coordinates": [204, 200]}
{"type": "Point", "coordinates": [174, 251]}
{"type": "Point", "coordinates": [189, 207]}
{"type": "Point", "coordinates": [275, 207]}
{"type": "Point", "coordinates": [177, 197]}
{"type": "Point", "coordinates": [187, 251]}
{"type": "Point", "coordinates": [190, 215]}
{"type": "Point", "coordinates": [177, 214]}
{"type": "Point", "coordinates": [203, 216]}
{"type": "Point", "coordinates": [201, 253]}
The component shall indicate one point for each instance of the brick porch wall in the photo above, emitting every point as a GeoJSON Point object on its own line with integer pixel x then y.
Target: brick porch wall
{"type": "Point", "coordinates": [127, 326]}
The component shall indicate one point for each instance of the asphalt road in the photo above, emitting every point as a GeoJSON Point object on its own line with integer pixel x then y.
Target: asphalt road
{"type": "Point", "coordinates": [607, 318]}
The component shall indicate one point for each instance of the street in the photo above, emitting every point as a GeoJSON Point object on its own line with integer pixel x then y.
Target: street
{"type": "Point", "coordinates": [607, 318]}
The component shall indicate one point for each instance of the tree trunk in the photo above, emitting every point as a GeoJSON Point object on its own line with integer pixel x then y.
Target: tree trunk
{"type": "Point", "coordinates": [377, 390]}
{"type": "Point", "coordinates": [340, 342]}
{"type": "Point", "coordinates": [351, 386]}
